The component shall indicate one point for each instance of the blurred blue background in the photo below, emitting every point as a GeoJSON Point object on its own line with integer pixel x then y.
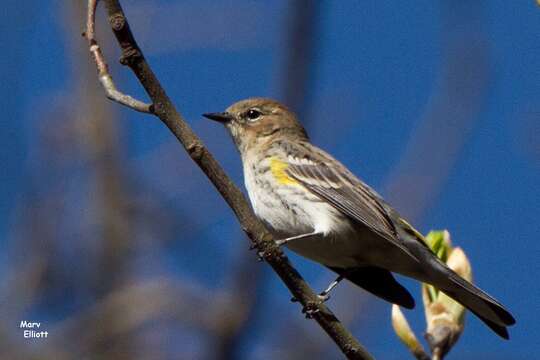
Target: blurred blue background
{"type": "Point", "coordinates": [436, 104]}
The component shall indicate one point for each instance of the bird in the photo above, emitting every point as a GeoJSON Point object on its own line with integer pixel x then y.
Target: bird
{"type": "Point", "coordinates": [316, 207]}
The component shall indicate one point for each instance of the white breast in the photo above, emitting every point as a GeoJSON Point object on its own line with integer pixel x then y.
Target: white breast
{"type": "Point", "coordinates": [289, 209]}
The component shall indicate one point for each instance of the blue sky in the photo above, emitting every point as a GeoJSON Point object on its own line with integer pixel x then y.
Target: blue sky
{"type": "Point", "coordinates": [377, 93]}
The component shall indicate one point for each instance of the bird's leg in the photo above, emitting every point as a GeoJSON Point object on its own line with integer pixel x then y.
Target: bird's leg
{"type": "Point", "coordinates": [286, 240]}
{"type": "Point", "coordinates": [325, 295]}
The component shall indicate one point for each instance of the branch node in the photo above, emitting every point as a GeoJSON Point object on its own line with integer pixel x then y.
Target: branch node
{"type": "Point", "coordinates": [130, 55]}
{"type": "Point", "coordinates": [117, 21]}
{"type": "Point", "coordinates": [195, 150]}
{"type": "Point", "coordinates": [350, 350]}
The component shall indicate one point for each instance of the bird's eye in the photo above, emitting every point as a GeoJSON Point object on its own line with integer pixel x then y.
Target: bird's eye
{"type": "Point", "coordinates": [253, 114]}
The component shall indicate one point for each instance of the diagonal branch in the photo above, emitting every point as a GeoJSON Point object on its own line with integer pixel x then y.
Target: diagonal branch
{"type": "Point", "coordinates": [163, 108]}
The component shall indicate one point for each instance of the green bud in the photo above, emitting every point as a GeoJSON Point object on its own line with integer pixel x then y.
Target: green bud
{"type": "Point", "coordinates": [444, 316]}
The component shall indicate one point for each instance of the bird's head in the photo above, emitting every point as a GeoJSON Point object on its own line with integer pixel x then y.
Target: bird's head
{"type": "Point", "coordinates": [258, 120]}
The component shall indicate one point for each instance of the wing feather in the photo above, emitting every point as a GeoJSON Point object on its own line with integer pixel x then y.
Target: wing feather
{"type": "Point", "coordinates": [331, 181]}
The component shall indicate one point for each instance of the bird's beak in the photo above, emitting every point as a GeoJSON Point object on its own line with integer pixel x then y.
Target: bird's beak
{"type": "Point", "coordinates": [222, 117]}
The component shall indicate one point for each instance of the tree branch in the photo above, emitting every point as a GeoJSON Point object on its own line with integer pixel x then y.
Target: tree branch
{"type": "Point", "coordinates": [104, 76]}
{"type": "Point", "coordinates": [163, 108]}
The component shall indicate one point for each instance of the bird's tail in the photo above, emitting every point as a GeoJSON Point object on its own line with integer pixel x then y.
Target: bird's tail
{"type": "Point", "coordinates": [433, 271]}
{"type": "Point", "coordinates": [489, 310]}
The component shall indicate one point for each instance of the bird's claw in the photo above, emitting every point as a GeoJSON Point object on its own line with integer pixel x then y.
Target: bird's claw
{"type": "Point", "coordinates": [310, 310]}
{"type": "Point", "coordinates": [260, 254]}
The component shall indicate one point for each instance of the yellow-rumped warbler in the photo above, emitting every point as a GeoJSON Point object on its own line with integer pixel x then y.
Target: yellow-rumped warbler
{"type": "Point", "coordinates": [319, 209]}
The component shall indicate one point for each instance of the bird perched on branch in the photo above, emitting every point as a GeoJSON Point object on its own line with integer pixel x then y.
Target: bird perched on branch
{"type": "Point", "coordinates": [316, 207]}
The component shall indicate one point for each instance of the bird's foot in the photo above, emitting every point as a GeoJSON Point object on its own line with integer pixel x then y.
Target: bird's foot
{"type": "Point", "coordinates": [310, 309]}
{"type": "Point", "coordinates": [323, 297]}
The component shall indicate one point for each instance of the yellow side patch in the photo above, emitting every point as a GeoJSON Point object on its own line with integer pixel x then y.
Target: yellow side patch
{"type": "Point", "coordinates": [277, 167]}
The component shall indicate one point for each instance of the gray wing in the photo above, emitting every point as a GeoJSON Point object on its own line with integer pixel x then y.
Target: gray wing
{"type": "Point", "coordinates": [331, 181]}
{"type": "Point", "coordinates": [327, 178]}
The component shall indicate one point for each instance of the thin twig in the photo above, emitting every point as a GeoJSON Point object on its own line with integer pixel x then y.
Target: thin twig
{"type": "Point", "coordinates": [259, 235]}
{"type": "Point", "coordinates": [437, 354]}
{"type": "Point", "coordinates": [104, 75]}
